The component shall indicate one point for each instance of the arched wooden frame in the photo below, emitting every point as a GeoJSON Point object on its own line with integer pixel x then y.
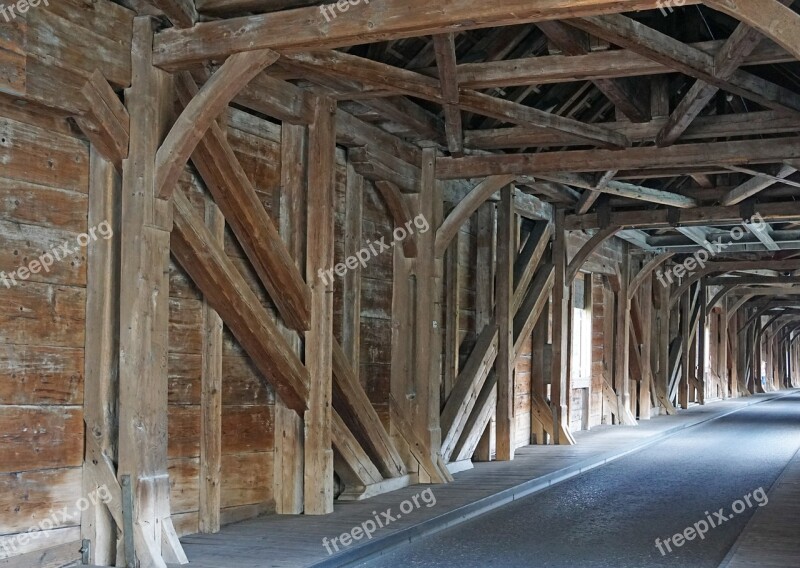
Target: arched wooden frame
{"type": "Point", "coordinates": [206, 106]}
{"type": "Point", "coordinates": [778, 22]}
{"type": "Point", "coordinates": [587, 249]}
{"type": "Point", "coordinates": [646, 270]}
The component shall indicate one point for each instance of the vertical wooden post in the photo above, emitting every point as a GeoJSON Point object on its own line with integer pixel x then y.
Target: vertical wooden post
{"type": "Point", "coordinates": [560, 303]}
{"type": "Point", "coordinates": [428, 335]}
{"type": "Point", "coordinates": [290, 204]}
{"type": "Point", "coordinates": [646, 313]}
{"type": "Point", "coordinates": [101, 369]}
{"type": "Point", "coordinates": [144, 311]}
{"type": "Point", "coordinates": [702, 348]}
{"type": "Point", "coordinates": [664, 369]}
{"type": "Point", "coordinates": [452, 337]}
{"type": "Point", "coordinates": [318, 475]}
{"type": "Point", "coordinates": [722, 350]}
{"type": "Point", "coordinates": [538, 373]}
{"type": "Point", "coordinates": [484, 298]}
{"type": "Point", "coordinates": [351, 283]}
{"type": "Point", "coordinates": [504, 295]}
{"type": "Point", "coordinates": [622, 384]}
{"type": "Point", "coordinates": [211, 399]}
{"type": "Point", "coordinates": [683, 388]}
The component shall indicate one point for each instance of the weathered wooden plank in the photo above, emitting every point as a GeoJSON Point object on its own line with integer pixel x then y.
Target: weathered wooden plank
{"type": "Point", "coordinates": [318, 475]}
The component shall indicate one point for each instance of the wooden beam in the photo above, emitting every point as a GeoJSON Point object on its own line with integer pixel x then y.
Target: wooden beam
{"type": "Point", "coordinates": [215, 275]}
{"type": "Point", "coordinates": [697, 216]}
{"type": "Point", "coordinates": [106, 122]}
{"type": "Point", "coordinates": [144, 313]}
{"type": "Point", "coordinates": [621, 94]}
{"type": "Point", "coordinates": [318, 474]}
{"type": "Point", "coordinates": [400, 212]}
{"type": "Point", "coordinates": [235, 195]}
{"type": "Point", "coordinates": [205, 107]}
{"type": "Point", "coordinates": [211, 399]}
{"type": "Point", "coordinates": [461, 401]}
{"type": "Point", "coordinates": [182, 13]}
{"type": "Point", "coordinates": [377, 165]}
{"type": "Point", "coordinates": [533, 304]}
{"type": "Point", "coordinates": [594, 66]}
{"type": "Point", "coordinates": [352, 403]}
{"type": "Point", "coordinates": [772, 18]}
{"type": "Point", "coordinates": [629, 33]}
{"type": "Point", "coordinates": [101, 359]}
{"type": "Point", "coordinates": [628, 190]}
{"type": "Point", "coordinates": [528, 260]}
{"type": "Point", "coordinates": [307, 28]}
{"type": "Point", "coordinates": [380, 75]}
{"type": "Point", "coordinates": [504, 298]}
{"type": "Point", "coordinates": [466, 207]}
{"type": "Point", "coordinates": [352, 281]}
{"type": "Point", "coordinates": [478, 420]}
{"type": "Point", "coordinates": [640, 158]}
{"type": "Point", "coordinates": [735, 50]}
{"type": "Point", "coordinates": [352, 463]}
{"type": "Point", "coordinates": [587, 250]}
{"type": "Point", "coordinates": [755, 185]}
{"type": "Point", "coordinates": [702, 128]}
{"type": "Point", "coordinates": [445, 48]}
{"type": "Point", "coordinates": [560, 381]}
{"type": "Point", "coordinates": [437, 472]}
{"type": "Point", "coordinates": [646, 270]}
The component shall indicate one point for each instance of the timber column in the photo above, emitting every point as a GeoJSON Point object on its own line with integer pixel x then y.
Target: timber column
{"type": "Point", "coordinates": [146, 224]}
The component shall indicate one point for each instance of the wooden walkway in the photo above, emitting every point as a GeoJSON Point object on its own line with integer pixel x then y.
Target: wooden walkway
{"type": "Point", "coordinates": [772, 537]}
{"type": "Point", "coordinates": [296, 541]}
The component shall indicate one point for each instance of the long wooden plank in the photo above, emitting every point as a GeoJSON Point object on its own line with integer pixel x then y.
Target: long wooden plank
{"type": "Point", "coordinates": [227, 291]}
{"type": "Point", "coordinates": [256, 232]}
{"type": "Point", "coordinates": [394, 19]}
{"type": "Point", "coordinates": [528, 261]}
{"type": "Point", "coordinates": [468, 385]}
{"type": "Point", "coordinates": [504, 299]}
{"type": "Point", "coordinates": [640, 158]}
{"type": "Point", "coordinates": [318, 472]}
{"type": "Point", "coordinates": [101, 374]}
{"type": "Point", "coordinates": [144, 313]}
{"type": "Point", "coordinates": [351, 399]}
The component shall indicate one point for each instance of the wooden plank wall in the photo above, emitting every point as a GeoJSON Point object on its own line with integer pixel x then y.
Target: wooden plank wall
{"type": "Point", "coordinates": [43, 203]}
{"type": "Point", "coordinates": [248, 402]}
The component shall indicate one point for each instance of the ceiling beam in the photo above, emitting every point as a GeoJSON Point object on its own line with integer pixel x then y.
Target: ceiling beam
{"type": "Point", "coordinates": [351, 67]}
{"type": "Point", "coordinates": [778, 22]}
{"type": "Point", "coordinates": [445, 48]}
{"type": "Point", "coordinates": [640, 158]}
{"type": "Point", "coordinates": [307, 28]}
{"type": "Point", "coordinates": [732, 54]}
{"type": "Point", "coordinates": [697, 216]}
{"type": "Point", "coordinates": [633, 35]}
{"type": "Point", "coordinates": [597, 65]}
{"type": "Point", "coordinates": [755, 185]}
{"type": "Point", "coordinates": [704, 127]}
{"type": "Point", "coordinates": [622, 189]}
{"type": "Point", "coordinates": [630, 101]}
{"type": "Point", "coordinates": [762, 233]}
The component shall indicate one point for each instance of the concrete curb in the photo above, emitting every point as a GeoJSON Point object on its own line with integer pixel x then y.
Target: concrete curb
{"type": "Point", "coordinates": [380, 546]}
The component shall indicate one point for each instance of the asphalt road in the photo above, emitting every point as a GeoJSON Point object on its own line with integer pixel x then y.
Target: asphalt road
{"type": "Point", "coordinates": [612, 516]}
